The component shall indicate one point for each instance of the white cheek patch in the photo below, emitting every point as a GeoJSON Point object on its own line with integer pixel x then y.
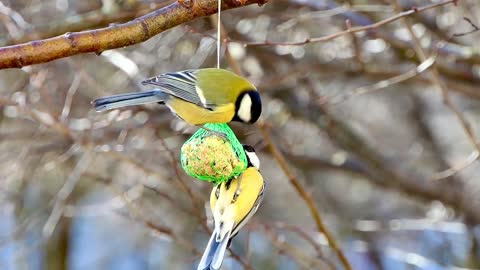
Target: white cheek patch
{"type": "Point", "coordinates": [201, 96]}
{"type": "Point", "coordinates": [253, 159]}
{"type": "Point", "coordinates": [244, 112]}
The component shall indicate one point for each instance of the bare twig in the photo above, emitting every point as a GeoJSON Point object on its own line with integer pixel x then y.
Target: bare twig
{"type": "Point", "coordinates": [299, 255]}
{"type": "Point", "coordinates": [457, 167]}
{"type": "Point", "coordinates": [357, 48]}
{"type": "Point", "coordinates": [307, 197]}
{"type": "Point", "coordinates": [349, 30]}
{"type": "Point", "coordinates": [64, 193]}
{"type": "Point", "coordinates": [383, 83]}
{"type": "Point", "coordinates": [474, 26]}
{"type": "Point", "coordinates": [15, 23]}
{"type": "Point", "coordinates": [308, 238]}
{"type": "Point", "coordinates": [69, 98]}
{"type": "Point", "coordinates": [174, 165]}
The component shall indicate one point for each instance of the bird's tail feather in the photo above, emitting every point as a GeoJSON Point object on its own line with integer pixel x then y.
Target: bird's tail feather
{"type": "Point", "coordinates": [207, 256]}
{"type": "Point", "coordinates": [220, 252]}
{"type": "Point", "coordinates": [212, 258]}
{"type": "Point", "coordinates": [123, 100]}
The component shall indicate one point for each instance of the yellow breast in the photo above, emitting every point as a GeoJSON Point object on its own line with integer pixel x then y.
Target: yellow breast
{"type": "Point", "coordinates": [197, 115]}
{"type": "Point", "coordinates": [251, 185]}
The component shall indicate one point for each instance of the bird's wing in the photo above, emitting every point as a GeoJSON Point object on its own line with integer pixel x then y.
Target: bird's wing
{"type": "Point", "coordinates": [250, 214]}
{"type": "Point", "coordinates": [180, 84]}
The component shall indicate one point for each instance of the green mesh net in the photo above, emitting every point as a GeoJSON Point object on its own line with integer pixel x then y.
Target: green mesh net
{"type": "Point", "coordinates": [209, 157]}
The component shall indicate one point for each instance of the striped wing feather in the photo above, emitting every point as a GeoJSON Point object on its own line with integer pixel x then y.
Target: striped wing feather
{"type": "Point", "coordinates": [208, 87]}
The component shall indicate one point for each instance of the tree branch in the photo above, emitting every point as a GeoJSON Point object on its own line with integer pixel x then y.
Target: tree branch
{"type": "Point", "coordinates": [114, 36]}
{"type": "Point", "coordinates": [79, 22]}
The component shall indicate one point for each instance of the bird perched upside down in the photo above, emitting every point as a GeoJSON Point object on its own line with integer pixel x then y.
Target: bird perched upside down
{"type": "Point", "coordinates": [198, 96]}
{"type": "Point", "coordinates": [232, 203]}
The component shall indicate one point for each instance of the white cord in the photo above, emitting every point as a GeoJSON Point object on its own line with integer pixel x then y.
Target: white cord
{"type": "Point", "coordinates": [218, 33]}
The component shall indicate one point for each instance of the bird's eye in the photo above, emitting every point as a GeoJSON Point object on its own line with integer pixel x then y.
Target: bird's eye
{"type": "Point", "coordinates": [217, 192]}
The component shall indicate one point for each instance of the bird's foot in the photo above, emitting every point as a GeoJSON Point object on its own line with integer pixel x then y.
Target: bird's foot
{"type": "Point", "coordinates": [216, 133]}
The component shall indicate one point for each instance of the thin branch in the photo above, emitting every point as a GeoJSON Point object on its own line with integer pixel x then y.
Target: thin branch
{"type": "Point", "coordinates": [349, 30]}
{"type": "Point", "coordinates": [114, 36]}
{"type": "Point", "coordinates": [174, 165]}
{"type": "Point", "coordinates": [64, 193]}
{"type": "Point", "coordinates": [137, 215]}
{"type": "Point", "coordinates": [298, 254]}
{"type": "Point", "coordinates": [474, 26]}
{"type": "Point", "coordinates": [357, 47]}
{"type": "Point", "coordinates": [14, 21]}
{"type": "Point", "coordinates": [69, 98]}
{"type": "Point", "coordinates": [425, 65]}
{"type": "Point", "coordinates": [307, 236]}
{"type": "Point", "coordinates": [307, 197]}
{"type": "Point", "coordinates": [456, 167]}
{"type": "Point", "coordinates": [409, 224]}
{"type": "Point", "coordinates": [138, 164]}
{"type": "Point", "coordinates": [419, 119]}
{"type": "Point", "coordinates": [428, 20]}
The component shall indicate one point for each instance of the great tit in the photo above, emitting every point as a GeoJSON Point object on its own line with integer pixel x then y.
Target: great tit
{"type": "Point", "coordinates": [197, 96]}
{"type": "Point", "coordinates": [232, 203]}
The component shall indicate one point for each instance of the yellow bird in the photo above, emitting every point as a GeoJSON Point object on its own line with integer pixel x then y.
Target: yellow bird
{"type": "Point", "coordinates": [232, 203]}
{"type": "Point", "coordinates": [200, 96]}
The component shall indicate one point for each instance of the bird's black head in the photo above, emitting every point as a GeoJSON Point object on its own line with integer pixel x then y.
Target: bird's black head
{"type": "Point", "coordinates": [248, 107]}
{"type": "Point", "coordinates": [252, 158]}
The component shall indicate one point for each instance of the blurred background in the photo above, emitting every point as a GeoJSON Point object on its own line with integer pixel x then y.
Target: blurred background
{"type": "Point", "coordinates": [380, 129]}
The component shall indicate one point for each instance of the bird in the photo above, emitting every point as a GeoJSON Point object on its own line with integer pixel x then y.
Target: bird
{"type": "Point", "coordinates": [233, 203]}
{"type": "Point", "coordinates": [198, 96]}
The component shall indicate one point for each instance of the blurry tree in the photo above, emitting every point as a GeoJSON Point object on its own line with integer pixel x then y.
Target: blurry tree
{"type": "Point", "coordinates": [368, 142]}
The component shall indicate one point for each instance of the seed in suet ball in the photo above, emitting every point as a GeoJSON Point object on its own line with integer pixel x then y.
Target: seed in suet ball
{"type": "Point", "coordinates": [211, 158]}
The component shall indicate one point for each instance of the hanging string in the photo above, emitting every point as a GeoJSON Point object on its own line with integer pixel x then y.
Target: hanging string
{"type": "Point", "coordinates": [218, 33]}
